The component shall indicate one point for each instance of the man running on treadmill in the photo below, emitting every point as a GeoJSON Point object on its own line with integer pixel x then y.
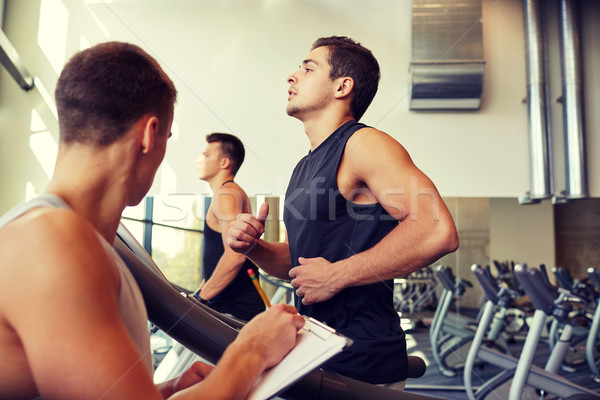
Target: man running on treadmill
{"type": "Point", "coordinates": [227, 288]}
{"type": "Point", "coordinates": [358, 213]}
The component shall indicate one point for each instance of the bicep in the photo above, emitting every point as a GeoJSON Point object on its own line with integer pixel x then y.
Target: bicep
{"type": "Point", "coordinates": [227, 209]}
{"type": "Point", "coordinates": [394, 180]}
{"type": "Point", "coordinates": [407, 194]}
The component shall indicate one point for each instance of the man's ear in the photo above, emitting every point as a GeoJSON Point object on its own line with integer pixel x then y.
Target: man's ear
{"type": "Point", "coordinates": [149, 126]}
{"type": "Point", "coordinates": [344, 87]}
{"type": "Point", "coordinates": [225, 163]}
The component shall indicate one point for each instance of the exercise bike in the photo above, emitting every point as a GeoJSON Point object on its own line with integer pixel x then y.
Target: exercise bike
{"type": "Point", "coordinates": [511, 382]}
{"type": "Point", "coordinates": [592, 347]}
{"type": "Point", "coordinates": [451, 334]}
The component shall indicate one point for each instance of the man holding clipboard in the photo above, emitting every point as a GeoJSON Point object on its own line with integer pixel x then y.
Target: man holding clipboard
{"type": "Point", "coordinates": [115, 106]}
{"type": "Point", "coordinates": [358, 213]}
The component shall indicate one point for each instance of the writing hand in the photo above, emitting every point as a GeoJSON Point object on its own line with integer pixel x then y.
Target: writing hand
{"type": "Point", "coordinates": [314, 280]}
{"type": "Point", "coordinates": [272, 333]}
{"type": "Point", "coordinates": [246, 229]}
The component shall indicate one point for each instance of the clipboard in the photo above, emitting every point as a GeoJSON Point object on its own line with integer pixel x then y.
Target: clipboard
{"type": "Point", "coordinates": [316, 343]}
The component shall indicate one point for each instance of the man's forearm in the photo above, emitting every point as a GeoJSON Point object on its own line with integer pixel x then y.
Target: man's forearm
{"type": "Point", "coordinates": [232, 379]}
{"type": "Point", "coordinates": [272, 257]}
{"type": "Point", "coordinates": [225, 272]}
{"type": "Point", "coordinates": [401, 252]}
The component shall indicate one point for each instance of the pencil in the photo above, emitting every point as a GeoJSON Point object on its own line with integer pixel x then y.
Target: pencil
{"type": "Point", "coordinates": [252, 276]}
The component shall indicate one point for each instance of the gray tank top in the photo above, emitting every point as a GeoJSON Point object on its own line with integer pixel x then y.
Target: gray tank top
{"type": "Point", "coordinates": [131, 303]}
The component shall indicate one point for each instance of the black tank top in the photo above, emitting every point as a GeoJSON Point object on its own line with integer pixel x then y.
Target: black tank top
{"type": "Point", "coordinates": [240, 298]}
{"type": "Point", "coordinates": [321, 223]}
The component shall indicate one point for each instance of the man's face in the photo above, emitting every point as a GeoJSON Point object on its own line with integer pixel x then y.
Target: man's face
{"type": "Point", "coordinates": [311, 89]}
{"type": "Point", "coordinates": [209, 160]}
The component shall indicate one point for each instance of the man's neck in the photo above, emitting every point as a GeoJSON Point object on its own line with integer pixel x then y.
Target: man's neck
{"type": "Point", "coordinates": [217, 181]}
{"type": "Point", "coordinates": [97, 193]}
{"type": "Point", "coordinates": [319, 129]}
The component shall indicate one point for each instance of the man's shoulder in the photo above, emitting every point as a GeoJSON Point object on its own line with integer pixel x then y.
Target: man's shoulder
{"type": "Point", "coordinates": [50, 238]}
{"type": "Point", "coordinates": [45, 222]}
{"type": "Point", "coordinates": [231, 188]}
{"type": "Point", "coordinates": [369, 142]}
{"type": "Point", "coordinates": [53, 257]}
{"type": "Point", "coordinates": [230, 197]}
{"type": "Point", "coordinates": [372, 134]}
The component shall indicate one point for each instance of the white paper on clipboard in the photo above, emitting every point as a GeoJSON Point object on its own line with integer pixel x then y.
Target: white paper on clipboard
{"type": "Point", "coordinates": [315, 344]}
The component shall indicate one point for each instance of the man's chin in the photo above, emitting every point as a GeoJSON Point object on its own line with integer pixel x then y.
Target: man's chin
{"type": "Point", "coordinates": [292, 111]}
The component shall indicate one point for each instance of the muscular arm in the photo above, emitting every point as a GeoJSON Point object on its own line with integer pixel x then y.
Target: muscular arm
{"type": "Point", "coordinates": [227, 269]}
{"type": "Point", "coordinates": [225, 206]}
{"type": "Point", "coordinates": [274, 258]}
{"type": "Point", "coordinates": [243, 237]}
{"type": "Point", "coordinates": [425, 231]}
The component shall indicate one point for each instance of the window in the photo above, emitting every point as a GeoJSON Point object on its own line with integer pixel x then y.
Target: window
{"type": "Point", "coordinates": [173, 239]}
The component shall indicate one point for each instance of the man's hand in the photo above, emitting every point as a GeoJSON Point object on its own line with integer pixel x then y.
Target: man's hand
{"type": "Point", "coordinates": [314, 280]}
{"type": "Point", "coordinates": [194, 374]}
{"type": "Point", "coordinates": [246, 229]}
{"type": "Point", "coordinates": [271, 334]}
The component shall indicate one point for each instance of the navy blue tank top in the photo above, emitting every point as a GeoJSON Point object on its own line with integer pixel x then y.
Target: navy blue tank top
{"type": "Point", "coordinates": [240, 298]}
{"type": "Point", "coordinates": [320, 222]}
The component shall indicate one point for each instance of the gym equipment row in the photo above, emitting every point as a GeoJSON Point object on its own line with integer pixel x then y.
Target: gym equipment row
{"type": "Point", "coordinates": [519, 378]}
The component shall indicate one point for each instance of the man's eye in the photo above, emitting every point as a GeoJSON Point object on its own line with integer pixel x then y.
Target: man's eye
{"type": "Point", "coordinates": [307, 69]}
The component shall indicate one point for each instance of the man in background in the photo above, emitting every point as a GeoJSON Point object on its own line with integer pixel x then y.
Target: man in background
{"type": "Point", "coordinates": [228, 288]}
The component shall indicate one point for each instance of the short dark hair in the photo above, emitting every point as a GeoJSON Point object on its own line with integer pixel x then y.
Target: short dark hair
{"type": "Point", "coordinates": [350, 58]}
{"type": "Point", "coordinates": [232, 148]}
{"type": "Point", "coordinates": [103, 90]}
